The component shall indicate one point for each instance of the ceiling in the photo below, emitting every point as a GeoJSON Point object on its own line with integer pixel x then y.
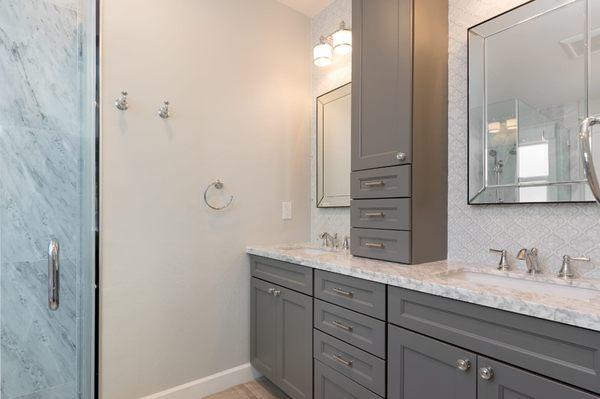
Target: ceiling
{"type": "Point", "coordinates": [307, 7]}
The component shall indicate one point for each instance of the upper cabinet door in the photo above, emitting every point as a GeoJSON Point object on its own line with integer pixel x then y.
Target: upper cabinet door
{"type": "Point", "coordinates": [420, 367]}
{"type": "Point", "coordinates": [382, 83]}
{"type": "Point", "coordinates": [500, 381]}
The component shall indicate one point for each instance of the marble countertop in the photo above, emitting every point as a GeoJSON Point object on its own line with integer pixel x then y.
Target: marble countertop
{"type": "Point", "coordinates": [575, 302]}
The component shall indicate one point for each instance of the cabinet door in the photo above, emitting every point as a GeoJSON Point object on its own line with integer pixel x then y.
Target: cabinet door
{"type": "Point", "coordinates": [500, 381]}
{"type": "Point", "coordinates": [295, 373]}
{"type": "Point", "coordinates": [381, 83]}
{"type": "Point", "coordinates": [263, 332]}
{"type": "Point", "coordinates": [420, 367]}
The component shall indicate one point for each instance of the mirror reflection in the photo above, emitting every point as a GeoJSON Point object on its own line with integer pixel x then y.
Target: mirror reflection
{"type": "Point", "coordinates": [333, 148]}
{"type": "Point", "coordinates": [527, 97]}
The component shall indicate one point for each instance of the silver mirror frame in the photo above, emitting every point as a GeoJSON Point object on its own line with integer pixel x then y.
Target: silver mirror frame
{"type": "Point", "coordinates": [511, 18]}
{"type": "Point", "coordinates": [323, 199]}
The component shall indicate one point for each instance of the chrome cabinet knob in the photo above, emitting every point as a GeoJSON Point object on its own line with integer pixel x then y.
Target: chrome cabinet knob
{"type": "Point", "coordinates": [401, 156]}
{"type": "Point", "coordinates": [486, 373]}
{"type": "Point", "coordinates": [276, 293]}
{"type": "Point", "coordinates": [271, 291]}
{"type": "Point", "coordinates": [463, 364]}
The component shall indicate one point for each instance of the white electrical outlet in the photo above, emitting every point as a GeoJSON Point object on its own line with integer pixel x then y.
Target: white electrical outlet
{"type": "Point", "coordinates": [286, 210]}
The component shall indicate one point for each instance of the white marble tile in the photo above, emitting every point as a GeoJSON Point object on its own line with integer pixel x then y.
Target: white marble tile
{"type": "Point", "coordinates": [439, 278]}
{"type": "Point", "coordinates": [39, 195]}
{"type": "Point", "coordinates": [37, 346]}
{"type": "Point", "coordinates": [38, 66]}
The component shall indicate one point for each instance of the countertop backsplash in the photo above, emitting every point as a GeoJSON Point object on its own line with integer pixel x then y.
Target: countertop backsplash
{"type": "Point", "coordinates": [555, 229]}
{"type": "Point", "coordinates": [332, 220]}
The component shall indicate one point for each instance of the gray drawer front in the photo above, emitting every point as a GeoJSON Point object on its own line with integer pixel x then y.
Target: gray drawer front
{"type": "Point", "coordinates": [389, 245]}
{"type": "Point", "coordinates": [381, 183]}
{"type": "Point", "coordinates": [295, 277]}
{"type": "Point", "coordinates": [391, 214]}
{"type": "Point", "coordinates": [329, 384]}
{"type": "Point", "coordinates": [360, 366]}
{"type": "Point", "coordinates": [359, 330]}
{"type": "Point", "coordinates": [566, 353]}
{"type": "Point", "coordinates": [353, 293]}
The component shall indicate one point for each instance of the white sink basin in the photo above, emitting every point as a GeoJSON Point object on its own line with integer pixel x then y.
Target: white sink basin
{"type": "Point", "coordinates": [315, 251]}
{"type": "Point", "coordinates": [525, 284]}
{"type": "Point", "coordinates": [307, 250]}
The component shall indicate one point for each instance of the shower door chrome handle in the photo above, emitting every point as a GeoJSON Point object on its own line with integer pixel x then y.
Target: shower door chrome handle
{"type": "Point", "coordinates": [585, 140]}
{"type": "Point", "coordinates": [53, 275]}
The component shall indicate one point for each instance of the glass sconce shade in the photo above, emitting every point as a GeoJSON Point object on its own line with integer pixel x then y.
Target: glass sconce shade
{"type": "Point", "coordinates": [342, 40]}
{"type": "Point", "coordinates": [322, 53]}
{"type": "Point", "coordinates": [494, 127]}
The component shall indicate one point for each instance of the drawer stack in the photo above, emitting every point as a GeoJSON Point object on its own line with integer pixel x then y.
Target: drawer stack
{"type": "Point", "coordinates": [381, 214]}
{"type": "Point", "coordinates": [349, 337]}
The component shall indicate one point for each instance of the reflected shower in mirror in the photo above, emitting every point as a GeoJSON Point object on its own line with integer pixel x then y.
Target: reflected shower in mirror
{"type": "Point", "coordinates": [527, 97]}
{"type": "Point", "coordinates": [333, 148]}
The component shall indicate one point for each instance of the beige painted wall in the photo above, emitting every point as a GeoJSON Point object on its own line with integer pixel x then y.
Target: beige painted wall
{"type": "Point", "coordinates": [175, 279]}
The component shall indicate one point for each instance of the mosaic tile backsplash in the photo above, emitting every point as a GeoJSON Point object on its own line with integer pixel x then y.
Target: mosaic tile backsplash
{"type": "Point", "coordinates": [555, 229]}
{"type": "Point", "coordinates": [332, 220]}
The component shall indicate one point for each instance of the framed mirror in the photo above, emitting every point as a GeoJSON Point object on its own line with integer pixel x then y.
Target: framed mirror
{"type": "Point", "coordinates": [529, 91]}
{"type": "Point", "coordinates": [333, 147]}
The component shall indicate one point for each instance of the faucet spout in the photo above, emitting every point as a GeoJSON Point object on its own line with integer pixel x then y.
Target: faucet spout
{"type": "Point", "coordinates": [530, 256]}
{"type": "Point", "coordinates": [329, 241]}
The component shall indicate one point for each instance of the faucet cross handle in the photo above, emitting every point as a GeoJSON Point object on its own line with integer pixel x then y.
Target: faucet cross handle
{"type": "Point", "coordinates": [566, 271]}
{"type": "Point", "coordinates": [503, 263]}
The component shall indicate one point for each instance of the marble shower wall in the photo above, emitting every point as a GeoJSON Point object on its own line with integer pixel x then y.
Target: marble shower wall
{"type": "Point", "coordinates": [556, 229]}
{"type": "Point", "coordinates": [39, 195]}
{"type": "Point", "coordinates": [332, 220]}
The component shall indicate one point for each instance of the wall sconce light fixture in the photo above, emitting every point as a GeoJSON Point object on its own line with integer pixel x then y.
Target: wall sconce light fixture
{"type": "Point", "coordinates": [339, 42]}
{"type": "Point", "coordinates": [322, 53]}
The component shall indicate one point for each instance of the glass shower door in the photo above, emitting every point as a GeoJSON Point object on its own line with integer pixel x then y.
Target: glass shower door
{"type": "Point", "coordinates": [47, 186]}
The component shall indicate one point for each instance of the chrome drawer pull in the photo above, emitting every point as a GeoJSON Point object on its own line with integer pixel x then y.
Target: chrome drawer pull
{"type": "Point", "coordinates": [340, 359]}
{"type": "Point", "coordinates": [343, 292]}
{"type": "Point", "coordinates": [374, 183]}
{"type": "Point", "coordinates": [378, 245]}
{"type": "Point", "coordinates": [374, 214]}
{"type": "Point", "coordinates": [342, 326]}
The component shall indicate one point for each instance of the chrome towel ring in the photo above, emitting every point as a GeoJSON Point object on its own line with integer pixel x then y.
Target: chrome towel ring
{"type": "Point", "coordinates": [218, 185]}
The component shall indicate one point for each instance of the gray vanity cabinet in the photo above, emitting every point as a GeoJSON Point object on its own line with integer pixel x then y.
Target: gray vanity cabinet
{"type": "Point", "coordinates": [281, 337]}
{"type": "Point", "coordinates": [507, 382]}
{"type": "Point", "coordinates": [420, 367]}
{"type": "Point", "coordinates": [399, 130]}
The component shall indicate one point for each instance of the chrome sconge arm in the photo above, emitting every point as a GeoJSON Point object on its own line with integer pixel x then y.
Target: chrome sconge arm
{"type": "Point", "coordinates": [585, 140]}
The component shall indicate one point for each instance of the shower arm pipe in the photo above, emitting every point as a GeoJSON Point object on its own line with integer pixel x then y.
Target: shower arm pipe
{"type": "Point", "coordinates": [585, 140]}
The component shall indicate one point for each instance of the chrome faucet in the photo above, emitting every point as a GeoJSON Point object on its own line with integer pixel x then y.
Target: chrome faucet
{"type": "Point", "coordinates": [530, 256]}
{"type": "Point", "coordinates": [329, 241]}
